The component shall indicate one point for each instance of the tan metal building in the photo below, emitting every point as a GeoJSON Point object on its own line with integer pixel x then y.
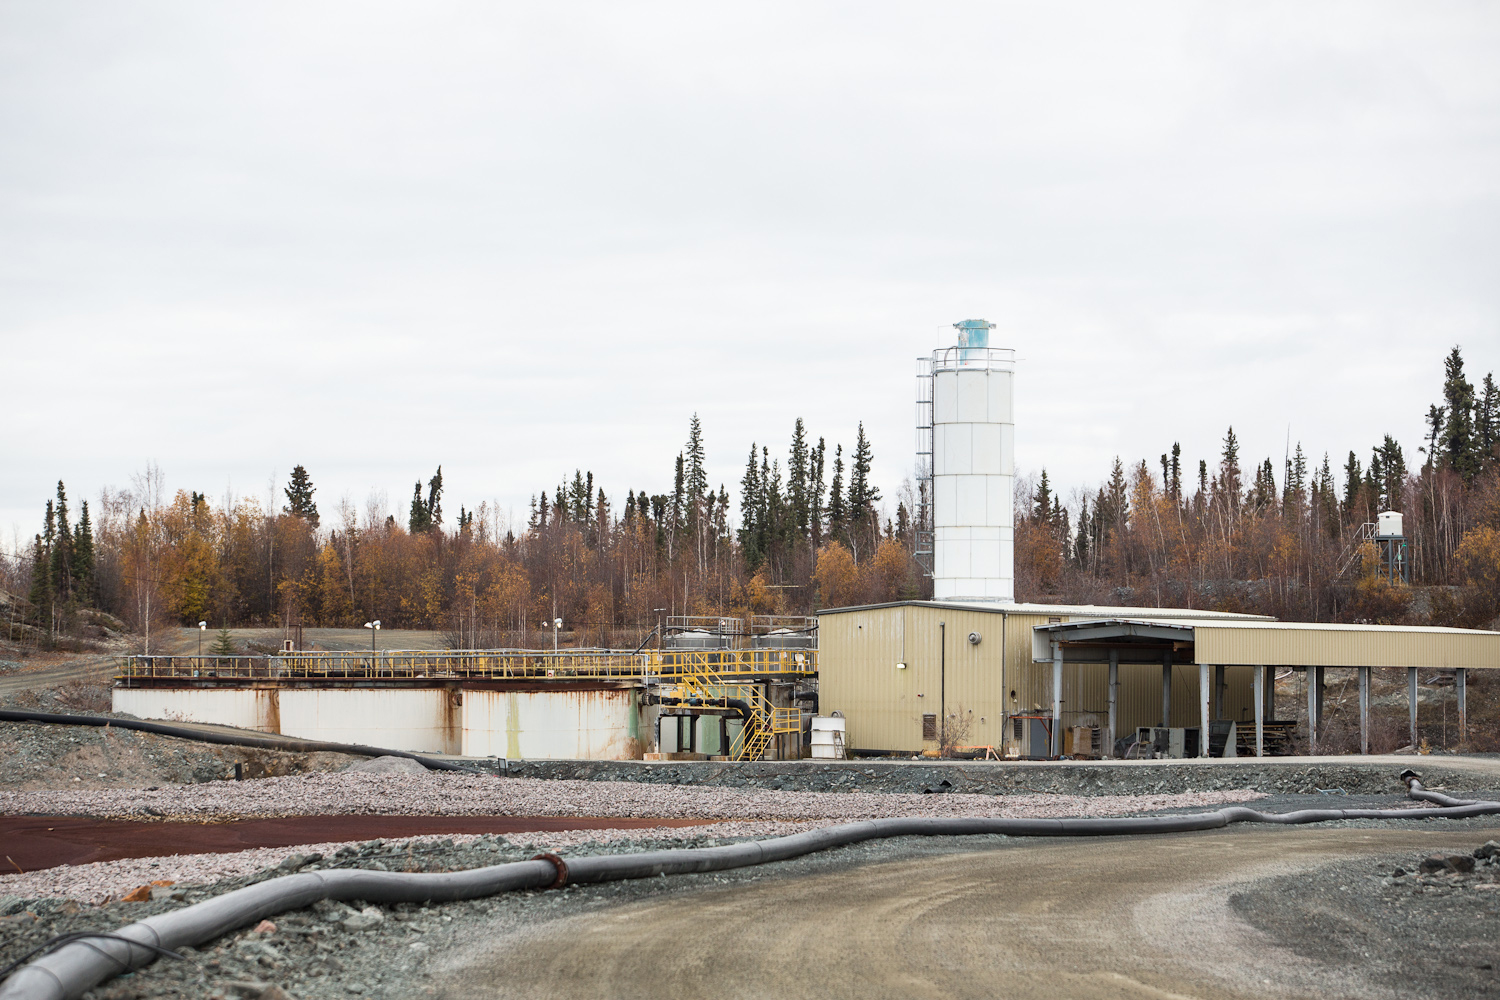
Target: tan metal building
{"type": "Point", "coordinates": [908, 675]}
{"type": "Point", "coordinates": [902, 674]}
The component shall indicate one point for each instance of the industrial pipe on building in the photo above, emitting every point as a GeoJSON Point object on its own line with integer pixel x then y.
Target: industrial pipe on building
{"type": "Point", "coordinates": [76, 967]}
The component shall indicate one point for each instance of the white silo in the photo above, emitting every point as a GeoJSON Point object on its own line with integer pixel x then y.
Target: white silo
{"type": "Point", "coordinates": [969, 467]}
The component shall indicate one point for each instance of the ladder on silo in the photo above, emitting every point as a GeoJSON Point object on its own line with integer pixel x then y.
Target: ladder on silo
{"type": "Point", "coordinates": [922, 550]}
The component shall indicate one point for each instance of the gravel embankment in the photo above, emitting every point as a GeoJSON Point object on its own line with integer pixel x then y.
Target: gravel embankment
{"type": "Point", "coordinates": [84, 758]}
{"type": "Point", "coordinates": [455, 794]}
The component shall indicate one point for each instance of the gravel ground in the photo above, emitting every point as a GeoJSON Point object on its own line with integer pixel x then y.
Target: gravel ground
{"type": "Point", "coordinates": [1272, 775]}
{"type": "Point", "coordinates": [87, 758]}
{"type": "Point", "coordinates": [455, 794]}
{"type": "Point", "coordinates": [1398, 924]}
{"type": "Point", "coordinates": [399, 952]}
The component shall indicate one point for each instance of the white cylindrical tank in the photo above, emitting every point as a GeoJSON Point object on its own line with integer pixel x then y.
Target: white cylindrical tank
{"type": "Point", "coordinates": [973, 468]}
{"type": "Point", "coordinates": [1388, 524]}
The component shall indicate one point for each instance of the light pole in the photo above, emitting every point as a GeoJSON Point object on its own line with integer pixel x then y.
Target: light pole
{"type": "Point", "coordinates": [556, 624]}
{"type": "Point", "coordinates": [201, 627]}
{"type": "Point", "coordinates": [374, 627]}
{"type": "Point", "coordinates": [659, 612]}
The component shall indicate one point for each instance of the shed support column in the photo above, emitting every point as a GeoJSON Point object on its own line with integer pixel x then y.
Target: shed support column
{"type": "Point", "coordinates": [1114, 701]}
{"type": "Point", "coordinates": [1260, 711]}
{"type": "Point", "coordinates": [1166, 689]}
{"type": "Point", "coordinates": [1057, 664]}
{"type": "Point", "coordinates": [1218, 692]}
{"type": "Point", "coordinates": [1320, 685]}
{"type": "Point", "coordinates": [1312, 709]}
{"type": "Point", "coordinates": [1364, 709]}
{"type": "Point", "coordinates": [1461, 688]}
{"type": "Point", "coordinates": [1411, 703]}
{"type": "Point", "coordinates": [1203, 707]}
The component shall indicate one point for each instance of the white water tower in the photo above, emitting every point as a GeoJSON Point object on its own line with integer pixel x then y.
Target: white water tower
{"type": "Point", "coordinates": [966, 452]}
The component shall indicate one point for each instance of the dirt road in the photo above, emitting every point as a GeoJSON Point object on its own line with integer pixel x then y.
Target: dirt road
{"type": "Point", "coordinates": [96, 669]}
{"type": "Point", "coordinates": [1144, 918]}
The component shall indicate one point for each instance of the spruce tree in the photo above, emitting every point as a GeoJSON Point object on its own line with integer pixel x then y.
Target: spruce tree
{"type": "Point", "coordinates": [435, 499]}
{"type": "Point", "coordinates": [797, 482]}
{"type": "Point", "coordinates": [750, 506]}
{"type": "Point", "coordinates": [83, 557]}
{"type": "Point", "coordinates": [419, 520]}
{"type": "Point", "coordinates": [61, 554]}
{"type": "Point", "coordinates": [223, 645]}
{"type": "Point", "coordinates": [1229, 470]}
{"type": "Point", "coordinates": [815, 493]}
{"type": "Point", "coordinates": [1458, 443]}
{"type": "Point", "coordinates": [1353, 483]}
{"type": "Point", "coordinates": [1041, 500]}
{"type": "Point", "coordinates": [299, 495]}
{"type": "Point", "coordinates": [837, 512]}
{"type": "Point", "coordinates": [41, 579]}
{"type": "Point", "coordinates": [863, 496]}
{"type": "Point", "coordinates": [696, 479]}
{"type": "Point", "coordinates": [1487, 421]}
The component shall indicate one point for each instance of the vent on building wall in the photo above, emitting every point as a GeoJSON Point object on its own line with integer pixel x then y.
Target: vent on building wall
{"type": "Point", "coordinates": [929, 727]}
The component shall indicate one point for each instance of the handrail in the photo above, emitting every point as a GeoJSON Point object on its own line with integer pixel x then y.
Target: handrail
{"type": "Point", "coordinates": [600, 664]}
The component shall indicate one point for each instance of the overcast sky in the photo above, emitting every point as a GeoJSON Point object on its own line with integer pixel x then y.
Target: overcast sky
{"type": "Point", "coordinates": [519, 239]}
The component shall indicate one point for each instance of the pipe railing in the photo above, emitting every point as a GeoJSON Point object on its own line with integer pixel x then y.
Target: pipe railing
{"type": "Point", "coordinates": [592, 664]}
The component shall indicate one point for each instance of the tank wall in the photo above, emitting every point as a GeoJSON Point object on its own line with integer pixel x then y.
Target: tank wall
{"type": "Point", "coordinates": [420, 720]}
{"type": "Point", "coordinates": [245, 708]}
{"type": "Point", "coordinates": [589, 725]}
{"type": "Point", "coordinates": [973, 485]}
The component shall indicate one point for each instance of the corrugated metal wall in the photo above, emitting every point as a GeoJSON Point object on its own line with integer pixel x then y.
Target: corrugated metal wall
{"type": "Point", "coordinates": [1433, 649]}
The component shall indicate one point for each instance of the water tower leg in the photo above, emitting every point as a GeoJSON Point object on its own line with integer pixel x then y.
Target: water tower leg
{"type": "Point", "coordinates": [1364, 709]}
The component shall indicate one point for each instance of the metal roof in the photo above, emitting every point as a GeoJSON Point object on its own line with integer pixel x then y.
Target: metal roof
{"type": "Point", "coordinates": [1072, 610]}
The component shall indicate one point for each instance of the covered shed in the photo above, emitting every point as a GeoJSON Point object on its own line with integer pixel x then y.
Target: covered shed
{"type": "Point", "coordinates": [1226, 652]}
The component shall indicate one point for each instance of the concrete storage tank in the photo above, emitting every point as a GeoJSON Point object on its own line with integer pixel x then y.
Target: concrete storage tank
{"type": "Point", "coordinates": [972, 466]}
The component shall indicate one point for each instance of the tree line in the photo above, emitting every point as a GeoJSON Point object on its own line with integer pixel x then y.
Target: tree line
{"type": "Point", "coordinates": [609, 568]}
{"type": "Point", "coordinates": [806, 530]}
{"type": "Point", "coordinates": [1238, 538]}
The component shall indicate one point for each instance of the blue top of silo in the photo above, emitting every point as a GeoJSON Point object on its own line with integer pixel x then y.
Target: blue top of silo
{"type": "Point", "coordinates": [974, 332]}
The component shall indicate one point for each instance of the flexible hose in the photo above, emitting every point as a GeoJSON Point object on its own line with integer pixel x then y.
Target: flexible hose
{"type": "Point", "coordinates": [226, 739]}
{"type": "Point", "coordinates": [75, 968]}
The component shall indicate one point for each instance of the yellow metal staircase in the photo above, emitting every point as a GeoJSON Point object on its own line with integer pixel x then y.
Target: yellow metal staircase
{"type": "Point", "coordinates": [766, 721]}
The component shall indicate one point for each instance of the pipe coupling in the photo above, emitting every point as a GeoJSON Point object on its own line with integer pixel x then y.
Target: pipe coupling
{"type": "Point", "coordinates": [559, 864]}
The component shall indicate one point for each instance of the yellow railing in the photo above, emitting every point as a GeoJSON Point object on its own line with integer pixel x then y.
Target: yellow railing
{"type": "Point", "coordinates": [710, 684]}
{"type": "Point", "coordinates": [646, 667]}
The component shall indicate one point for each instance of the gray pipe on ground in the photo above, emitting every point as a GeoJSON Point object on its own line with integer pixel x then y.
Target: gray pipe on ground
{"type": "Point", "coordinates": [74, 968]}
{"type": "Point", "coordinates": [226, 739]}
